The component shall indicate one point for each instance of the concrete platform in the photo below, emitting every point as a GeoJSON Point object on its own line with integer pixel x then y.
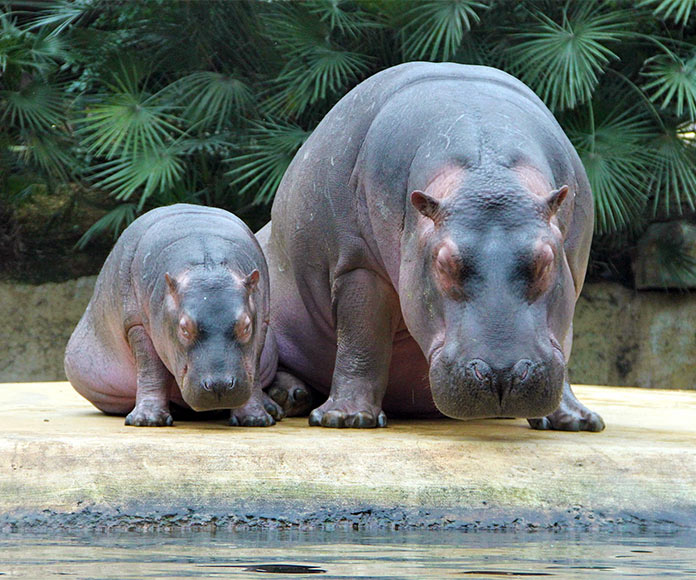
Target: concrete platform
{"type": "Point", "coordinates": [64, 465]}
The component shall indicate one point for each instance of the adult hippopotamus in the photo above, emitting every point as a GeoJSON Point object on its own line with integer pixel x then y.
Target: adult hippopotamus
{"type": "Point", "coordinates": [179, 313]}
{"type": "Point", "coordinates": [427, 246]}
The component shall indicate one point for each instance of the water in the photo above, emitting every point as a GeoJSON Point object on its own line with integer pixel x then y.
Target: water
{"type": "Point", "coordinates": [344, 554]}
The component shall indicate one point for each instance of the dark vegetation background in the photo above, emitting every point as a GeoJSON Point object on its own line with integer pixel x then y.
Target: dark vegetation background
{"type": "Point", "coordinates": [109, 108]}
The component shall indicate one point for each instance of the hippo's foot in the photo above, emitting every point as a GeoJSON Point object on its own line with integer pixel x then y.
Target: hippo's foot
{"type": "Point", "coordinates": [149, 415]}
{"type": "Point", "coordinates": [571, 415]}
{"type": "Point", "coordinates": [294, 397]}
{"type": "Point", "coordinates": [343, 413]}
{"type": "Point", "coordinates": [259, 411]}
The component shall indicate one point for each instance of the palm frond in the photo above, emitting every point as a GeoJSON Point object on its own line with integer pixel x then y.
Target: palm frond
{"type": "Point", "coordinates": [673, 82]}
{"type": "Point", "coordinates": [562, 62]}
{"type": "Point", "coordinates": [613, 152]}
{"type": "Point", "coordinates": [37, 106]}
{"type": "Point", "coordinates": [127, 124]}
{"type": "Point", "coordinates": [342, 15]}
{"type": "Point", "coordinates": [49, 152]}
{"type": "Point", "coordinates": [433, 29]}
{"type": "Point", "coordinates": [679, 10]}
{"type": "Point", "coordinates": [61, 14]}
{"type": "Point", "coordinates": [212, 99]}
{"type": "Point", "coordinates": [673, 175]}
{"type": "Point", "coordinates": [146, 173]}
{"type": "Point", "coordinates": [268, 157]}
{"type": "Point", "coordinates": [318, 74]}
{"type": "Point", "coordinates": [294, 29]}
{"type": "Point", "coordinates": [115, 222]}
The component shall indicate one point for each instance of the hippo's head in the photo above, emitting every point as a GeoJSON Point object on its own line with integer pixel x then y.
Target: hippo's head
{"type": "Point", "coordinates": [491, 302]}
{"type": "Point", "coordinates": [217, 334]}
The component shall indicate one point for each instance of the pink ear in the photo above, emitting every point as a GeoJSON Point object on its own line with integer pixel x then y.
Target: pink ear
{"type": "Point", "coordinates": [426, 205]}
{"type": "Point", "coordinates": [172, 288]}
{"type": "Point", "coordinates": [171, 284]}
{"type": "Point", "coordinates": [555, 199]}
{"type": "Point", "coordinates": [252, 281]}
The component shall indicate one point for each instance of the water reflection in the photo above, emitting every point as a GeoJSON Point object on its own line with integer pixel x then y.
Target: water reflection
{"type": "Point", "coordinates": [343, 555]}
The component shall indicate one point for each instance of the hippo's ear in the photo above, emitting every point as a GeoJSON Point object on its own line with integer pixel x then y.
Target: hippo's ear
{"type": "Point", "coordinates": [555, 199]}
{"type": "Point", "coordinates": [172, 288]}
{"type": "Point", "coordinates": [426, 205]}
{"type": "Point", "coordinates": [252, 281]}
{"type": "Point", "coordinates": [171, 284]}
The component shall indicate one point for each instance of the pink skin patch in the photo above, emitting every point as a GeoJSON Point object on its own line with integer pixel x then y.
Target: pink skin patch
{"type": "Point", "coordinates": [445, 182]}
{"type": "Point", "coordinates": [533, 180]}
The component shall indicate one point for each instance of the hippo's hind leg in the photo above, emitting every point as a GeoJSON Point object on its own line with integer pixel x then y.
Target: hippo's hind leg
{"type": "Point", "coordinates": [571, 415]}
{"type": "Point", "coordinates": [293, 395]}
{"type": "Point", "coordinates": [153, 383]}
{"type": "Point", "coordinates": [366, 310]}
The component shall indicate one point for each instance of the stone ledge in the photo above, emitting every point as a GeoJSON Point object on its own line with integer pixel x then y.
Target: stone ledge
{"type": "Point", "coordinates": [64, 465]}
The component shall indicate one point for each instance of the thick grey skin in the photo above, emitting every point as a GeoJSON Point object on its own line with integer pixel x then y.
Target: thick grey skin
{"type": "Point", "coordinates": [130, 354]}
{"type": "Point", "coordinates": [359, 308]}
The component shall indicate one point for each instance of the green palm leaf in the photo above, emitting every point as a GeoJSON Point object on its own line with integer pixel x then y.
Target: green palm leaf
{"type": "Point", "coordinates": [127, 124]}
{"type": "Point", "coordinates": [61, 14]}
{"type": "Point", "coordinates": [50, 153]}
{"type": "Point", "coordinates": [680, 10]}
{"type": "Point", "coordinates": [673, 176]}
{"type": "Point", "coordinates": [268, 157]}
{"type": "Point", "coordinates": [673, 82]}
{"type": "Point", "coordinates": [212, 99]}
{"type": "Point", "coordinates": [115, 222]}
{"type": "Point", "coordinates": [613, 152]}
{"type": "Point", "coordinates": [312, 78]}
{"type": "Point", "coordinates": [435, 28]}
{"type": "Point", "coordinates": [146, 173]}
{"type": "Point", "coordinates": [37, 106]}
{"type": "Point", "coordinates": [295, 30]}
{"type": "Point", "coordinates": [342, 15]}
{"type": "Point", "coordinates": [562, 62]}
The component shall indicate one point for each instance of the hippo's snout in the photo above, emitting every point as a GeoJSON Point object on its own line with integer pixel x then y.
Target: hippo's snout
{"type": "Point", "coordinates": [476, 388]}
{"type": "Point", "coordinates": [209, 392]}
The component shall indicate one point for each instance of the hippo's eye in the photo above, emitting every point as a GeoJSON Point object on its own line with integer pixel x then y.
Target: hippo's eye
{"type": "Point", "coordinates": [244, 329]}
{"type": "Point", "coordinates": [450, 270]}
{"type": "Point", "coordinates": [187, 328]}
{"type": "Point", "coordinates": [542, 271]}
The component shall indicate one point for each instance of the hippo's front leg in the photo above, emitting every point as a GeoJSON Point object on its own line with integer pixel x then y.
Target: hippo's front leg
{"type": "Point", "coordinates": [153, 382]}
{"type": "Point", "coordinates": [571, 415]}
{"type": "Point", "coordinates": [366, 310]}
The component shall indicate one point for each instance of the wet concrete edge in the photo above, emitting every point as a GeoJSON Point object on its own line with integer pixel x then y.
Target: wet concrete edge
{"type": "Point", "coordinates": [269, 515]}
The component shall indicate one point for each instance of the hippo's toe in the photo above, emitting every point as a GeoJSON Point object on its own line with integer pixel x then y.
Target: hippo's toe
{"type": "Point", "coordinates": [569, 419]}
{"type": "Point", "coordinates": [259, 411]}
{"type": "Point", "coordinates": [334, 414]}
{"type": "Point", "coordinates": [149, 416]}
{"type": "Point", "coordinates": [294, 397]}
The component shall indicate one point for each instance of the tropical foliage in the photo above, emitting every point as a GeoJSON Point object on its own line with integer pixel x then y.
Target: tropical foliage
{"type": "Point", "coordinates": [158, 101]}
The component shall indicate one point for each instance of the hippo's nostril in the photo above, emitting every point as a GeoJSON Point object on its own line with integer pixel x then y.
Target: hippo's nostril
{"type": "Point", "coordinates": [521, 370]}
{"type": "Point", "coordinates": [480, 370]}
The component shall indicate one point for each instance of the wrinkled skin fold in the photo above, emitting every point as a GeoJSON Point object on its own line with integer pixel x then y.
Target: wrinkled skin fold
{"type": "Point", "coordinates": [427, 246]}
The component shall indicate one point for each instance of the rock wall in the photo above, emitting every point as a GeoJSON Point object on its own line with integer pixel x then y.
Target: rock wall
{"type": "Point", "coordinates": [622, 337]}
{"type": "Point", "coordinates": [38, 321]}
{"type": "Point", "coordinates": [625, 337]}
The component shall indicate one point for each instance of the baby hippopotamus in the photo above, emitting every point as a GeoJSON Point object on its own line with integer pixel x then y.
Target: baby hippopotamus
{"type": "Point", "coordinates": [179, 314]}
